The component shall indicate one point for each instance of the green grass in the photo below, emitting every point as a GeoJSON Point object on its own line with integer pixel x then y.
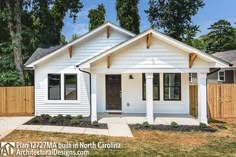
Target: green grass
{"type": "Point", "coordinates": [149, 143]}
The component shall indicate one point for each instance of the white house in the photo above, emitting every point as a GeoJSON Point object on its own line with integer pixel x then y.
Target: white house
{"type": "Point", "coordinates": [128, 73]}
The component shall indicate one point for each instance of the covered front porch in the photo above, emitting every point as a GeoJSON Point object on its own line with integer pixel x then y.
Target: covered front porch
{"type": "Point", "coordinates": [139, 118]}
{"type": "Point", "coordinates": [133, 108]}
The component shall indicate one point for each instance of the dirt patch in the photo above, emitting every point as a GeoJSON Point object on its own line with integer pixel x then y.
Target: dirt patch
{"type": "Point", "coordinates": [181, 128]}
{"type": "Point", "coordinates": [60, 120]}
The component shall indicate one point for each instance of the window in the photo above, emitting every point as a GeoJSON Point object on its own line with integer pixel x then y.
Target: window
{"type": "Point", "coordinates": [156, 85]}
{"type": "Point", "coordinates": [221, 76]}
{"type": "Point", "coordinates": [172, 86]}
{"type": "Point", "coordinates": [190, 77]}
{"type": "Point", "coordinates": [54, 87]}
{"type": "Point", "coordinates": [70, 90]}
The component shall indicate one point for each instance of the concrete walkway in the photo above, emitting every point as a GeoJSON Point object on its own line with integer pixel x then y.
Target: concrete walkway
{"type": "Point", "coordinates": [9, 124]}
{"type": "Point", "coordinates": [139, 118]}
{"type": "Point", "coordinates": [117, 130]}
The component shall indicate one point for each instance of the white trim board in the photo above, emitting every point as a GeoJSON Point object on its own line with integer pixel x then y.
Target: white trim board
{"type": "Point", "coordinates": [164, 38]}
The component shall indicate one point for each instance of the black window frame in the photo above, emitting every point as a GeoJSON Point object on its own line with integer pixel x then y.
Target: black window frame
{"type": "Point", "coordinates": [59, 87]}
{"type": "Point", "coordinates": [180, 92]}
{"type": "Point", "coordinates": [76, 87]}
{"type": "Point", "coordinates": [144, 81]}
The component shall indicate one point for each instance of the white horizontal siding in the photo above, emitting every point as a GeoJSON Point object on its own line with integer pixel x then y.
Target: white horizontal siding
{"type": "Point", "coordinates": [62, 64]}
{"type": "Point", "coordinates": [132, 95]}
{"type": "Point", "coordinates": [159, 56]}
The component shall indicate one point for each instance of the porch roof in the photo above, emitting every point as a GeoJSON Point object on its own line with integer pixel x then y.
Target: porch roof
{"type": "Point", "coordinates": [182, 46]}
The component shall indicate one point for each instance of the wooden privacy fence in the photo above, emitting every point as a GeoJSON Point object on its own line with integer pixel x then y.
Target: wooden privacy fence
{"type": "Point", "coordinates": [221, 100]}
{"type": "Point", "coordinates": [16, 101]}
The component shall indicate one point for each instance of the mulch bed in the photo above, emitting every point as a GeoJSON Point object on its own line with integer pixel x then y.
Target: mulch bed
{"type": "Point", "coordinates": [83, 122]}
{"type": "Point", "coordinates": [181, 128]}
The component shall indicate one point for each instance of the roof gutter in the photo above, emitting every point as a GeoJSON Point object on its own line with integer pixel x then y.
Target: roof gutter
{"type": "Point", "coordinates": [214, 71]}
{"type": "Point", "coordinates": [90, 88]}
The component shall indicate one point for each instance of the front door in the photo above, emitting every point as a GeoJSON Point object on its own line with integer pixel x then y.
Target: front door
{"type": "Point", "coordinates": [113, 92]}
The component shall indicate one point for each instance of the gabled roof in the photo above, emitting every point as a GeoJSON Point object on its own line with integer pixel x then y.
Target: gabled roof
{"type": "Point", "coordinates": [164, 38]}
{"type": "Point", "coordinates": [48, 53]}
{"type": "Point", "coordinates": [41, 52]}
{"type": "Point", "coordinates": [229, 56]}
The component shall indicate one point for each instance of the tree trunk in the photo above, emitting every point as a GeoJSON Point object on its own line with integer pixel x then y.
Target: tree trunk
{"type": "Point", "coordinates": [15, 28]}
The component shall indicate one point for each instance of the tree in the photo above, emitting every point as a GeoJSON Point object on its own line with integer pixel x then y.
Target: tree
{"type": "Point", "coordinates": [222, 37]}
{"type": "Point", "coordinates": [26, 25]}
{"type": "Point", "coordinates": [174, 17]}
{"type": "Point", "coordinates": [63, 40]}
{"type": "Point", "coordinates": [74, 37]}
{"type": "Point", "coordinates": [127, 14]}
{"type": "Point", "coordinates": [96, 17]}
{"type": "Point", "coordinates": [199, 43]}
{"type": "Point", "coordinates": [14, 9]}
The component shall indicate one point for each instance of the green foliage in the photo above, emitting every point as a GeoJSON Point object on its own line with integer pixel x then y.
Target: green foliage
{"type": "Point", "coordinates": [41, 23]}
{"type": "Point", "coordinates": [46, 116]}
{"type": "Point", "coordinates": [53, 120]}
{"type": "Point", "coordinates": [75, 122]}
{"type": "Point", "coordinates": [79, 117]}
{"type": "Point", "coordinates": [74, 37]}
{"type": "Point", "coordinates": [199, 43]}
{"type": "Point", "coordinates": [95, 123]}
{"type": "Point", "coordinates": [96, 17]}
{"type": "Point", "coordinates": [222, 37]}
{"type": "Point", "coordinates": [202, 125]}
{"type": "Point", "coordinates": [145, 124]}
{"type": "Point", "coordinates": [174, 17]}
{"type": "Point", "coordinates": [174, 125]}
{"type": "Point", "coordinates": [68, 117]}
{"type": "Point", "coordinates": [36, 119]}
{"type": "Point", "coordinates": [63, 40]}
{"type": "Point", "coordinates": [127, 14]}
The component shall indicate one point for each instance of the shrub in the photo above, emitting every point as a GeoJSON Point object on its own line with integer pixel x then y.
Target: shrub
{"type": "Point", "coordinates": [202, 125]}
{"type": "Point", "coordinates": [60, 116]}
{"type": "Point", "coordinates": [53, 120]}
{"type": "Point", "coordinates": [36, 119]}
{"type": "Point", "coordinates": [68, 117]}
{"type": "Point", "coordinates": [95, 123]}
{"type": "Point", "coordinates": [75, 122]}
{"type": "Point", "coordinates": [145, 124]}
{"type": "Point", "coordinates": [174, 124]}
{"type": "Point", "coordinates": [46, 116]}
{"type": "Point", "coordinates": [80, 117]}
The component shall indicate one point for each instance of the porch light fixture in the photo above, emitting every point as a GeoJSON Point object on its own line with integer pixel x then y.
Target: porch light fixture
{"type": "Point", "coordinates": [131, 77]}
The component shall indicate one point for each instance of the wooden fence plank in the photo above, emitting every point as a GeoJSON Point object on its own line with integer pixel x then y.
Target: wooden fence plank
{"type": "Point", "coordinates": [16, 100]}
{"type": "Point", "coordinates": [221, 100]}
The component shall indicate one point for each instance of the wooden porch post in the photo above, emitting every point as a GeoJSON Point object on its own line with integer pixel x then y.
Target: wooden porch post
{"type": "Point", "coordinates": [149, 97]}
{"type": "Point", "coordinates": [94, 98]}
{"type": "Point", "coordinates": [202, 97]}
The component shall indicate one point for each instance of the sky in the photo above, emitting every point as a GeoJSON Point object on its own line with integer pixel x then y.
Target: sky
{"type": "Point", "coordinates": [213, 11]}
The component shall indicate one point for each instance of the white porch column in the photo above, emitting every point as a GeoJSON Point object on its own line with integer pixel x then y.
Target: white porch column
{"type": "Point", "coordinates": [149, 97]}
{"type": "Point", "coordinates": [202, 97]}
{"type": "Point", "coordinates": [94, 98]}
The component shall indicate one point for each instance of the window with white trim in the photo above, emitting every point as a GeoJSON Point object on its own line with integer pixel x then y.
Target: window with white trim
{"type": "Point", "coordinates": [190, 77]}
{"type": "Point", "coordinates": [54, 87]}
{"type": "Point", "coordinates": [221, 75]}
{"type": "Point", "coordinates": [70, 87]}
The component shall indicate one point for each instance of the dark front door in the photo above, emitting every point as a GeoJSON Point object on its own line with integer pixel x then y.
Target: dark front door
{"type": "Point", "coordinates": [113, 92]}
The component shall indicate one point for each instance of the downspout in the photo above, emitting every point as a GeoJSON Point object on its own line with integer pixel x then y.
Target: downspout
{"type": "Point", "coordinates": [90, 88]}
{"type": "Point", "coordinates": [213, 71]}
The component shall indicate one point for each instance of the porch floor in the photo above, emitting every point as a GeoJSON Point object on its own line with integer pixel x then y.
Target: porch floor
{"type": "Point", "coordinates": [135, 118]}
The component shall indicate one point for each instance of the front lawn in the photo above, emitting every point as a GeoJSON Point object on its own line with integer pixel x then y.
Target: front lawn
{"type": "Point", "coordinates": [149, 142]}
